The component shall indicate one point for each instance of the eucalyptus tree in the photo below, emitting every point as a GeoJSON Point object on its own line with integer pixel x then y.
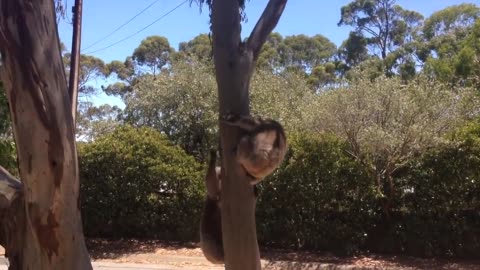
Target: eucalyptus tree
{"type": "Point", "coordinates": [40, 215]}
{"type": "Point", "coordinates": [386, 29]}
{"type": "Point", "coordinates": [235, 60]}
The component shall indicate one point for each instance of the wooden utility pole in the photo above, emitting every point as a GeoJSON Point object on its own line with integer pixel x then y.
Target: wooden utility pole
{"type": "Point", "coordinates": [75, 56]}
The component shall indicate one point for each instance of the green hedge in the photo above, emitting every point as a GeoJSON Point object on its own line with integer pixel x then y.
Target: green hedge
{"type": "Point", "coordinates": [320, 199]}
{"type": "Point", "coordinates": [439, 214]}
{"type": "Point", "coordinates": [135, 183]}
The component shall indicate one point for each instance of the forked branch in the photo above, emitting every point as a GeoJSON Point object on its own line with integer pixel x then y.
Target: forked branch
{"type": "Point", "coordinates": [265, 25]}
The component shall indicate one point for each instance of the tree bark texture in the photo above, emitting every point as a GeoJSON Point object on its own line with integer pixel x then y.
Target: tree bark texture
{"type": "Point", "coordinates": [44, 225]}
{"type": "Point", "coordinates": [234, 65]}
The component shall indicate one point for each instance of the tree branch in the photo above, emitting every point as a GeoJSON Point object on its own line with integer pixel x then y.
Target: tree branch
{"type": "Point", "coordinates": [10, 188]}
{"type": "Point", "coordinates": [265, 25]}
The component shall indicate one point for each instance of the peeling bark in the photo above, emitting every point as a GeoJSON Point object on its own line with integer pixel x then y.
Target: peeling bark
{"type": "Point", "coordinates": [45, 229]}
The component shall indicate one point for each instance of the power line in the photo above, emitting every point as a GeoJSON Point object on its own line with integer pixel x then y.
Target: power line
{"type": "Point", "coordinates": [132, 35]}
{"type": "Point", "coordinates": [121, 26]}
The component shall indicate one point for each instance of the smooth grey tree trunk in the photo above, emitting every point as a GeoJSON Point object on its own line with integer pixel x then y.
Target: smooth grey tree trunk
{"type": "Point", "coordinates": [234, 66]}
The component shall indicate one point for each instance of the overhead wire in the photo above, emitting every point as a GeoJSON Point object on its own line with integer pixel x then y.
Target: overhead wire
{"type": "Point", "coordinates": [121, 26]}
{"type": "Point", "coordinates": [142, 29]}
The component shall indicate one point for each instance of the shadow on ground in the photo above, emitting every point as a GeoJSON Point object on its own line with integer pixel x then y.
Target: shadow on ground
{"type": "Point", "coordinates": [295, 260]}
{"type": "Point", "coordinates": [102, 249]}
{"type": "Point", "coordinates": [155, 251]}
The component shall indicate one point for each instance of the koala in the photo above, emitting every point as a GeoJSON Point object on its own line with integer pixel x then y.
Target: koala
{"type": "Point", "coordinates": [262, 145]}
{"type": "Point", "coordinates": [211, 241]}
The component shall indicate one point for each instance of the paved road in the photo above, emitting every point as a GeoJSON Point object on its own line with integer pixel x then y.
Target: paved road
{"type": "Point", "coordinates": [121, 266]}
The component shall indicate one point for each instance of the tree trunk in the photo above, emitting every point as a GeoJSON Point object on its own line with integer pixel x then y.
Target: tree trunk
{"type": "Point", "coordinates": [234, 64]}
{"type": "Point", "coordinates": [386, 186]}
{"type": "Point", "coordinates": [43, 223]}
{"type": "Point", "coordinates": [390, 196]}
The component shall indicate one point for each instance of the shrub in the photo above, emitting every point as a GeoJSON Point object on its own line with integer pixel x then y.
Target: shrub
{"type": "Point", "coordinates": [440, 211]}
{"type": "Point", "coordinates": [319, 199]}
{"type": "Point", "coordinates": [323, 199]}
{"type": "Point", "coordinates": [135, 183]}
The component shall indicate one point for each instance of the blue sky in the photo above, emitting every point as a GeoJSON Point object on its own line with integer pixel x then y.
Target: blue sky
{"type": "Point", "coordinates": [101, 17]}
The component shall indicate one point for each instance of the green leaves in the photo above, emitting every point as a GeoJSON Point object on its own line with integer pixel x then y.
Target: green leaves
{"type": "Point", "coordinates": [136, 183]}
{"type": "Point", "coordinates": [93, 122]}
{"type": "Point", "coordinates": [153, 52]}
{"type": "Point", "coordinates": [200, 47]}
{"type": "Point", "coordinates": [456, 52]}
{"type": "Point", "coordinates": [450, 20]}
{"type": "Point", "coordinates": [298, 52]}
{"type": "Point", "coordinates": [91, 68]}
{"type": "Point", "coordinates": [181, 102]}
{"type": "Point", "coordinates": [385, 28]}
{"type": "Point", "coordinates": [4, 112]}
{"type": "Point", "coordinates": [321, 195]}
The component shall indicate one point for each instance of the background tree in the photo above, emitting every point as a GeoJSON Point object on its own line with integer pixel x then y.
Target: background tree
{"type": "Point", "coordinates": [353, 51]}
{"type": "Point", "coordinates": [386, 123]}
{"type": "Point", "coordinates": [91, 68]}
{"type": "Point", "coordinates": [180, 103]}
{"type": "Point", "coordinates": [450, 35]}
{"type": "Point", "coordinates": [452, 20]}
{"type": "Point", "coordinates": [305, 53]}
{"type": "Point", "coordinates": [270, 54]}
{"type": "Point", "coordinates": [281, 96]}
{"type": "Point", "coordinates": [199, 47]}
{"type": "Point", "coordinates": [384, 26]}
{"type": "Point", "coordinates": [183, 104]}
{"type": "Point", "coordinates": [323, 75]}
{"type": "Point", "coordinates": [40, 216]}
{"type": "Point", "coordinates": [153, 52]}
{"type": "Point", "coordinates": [96, 121]}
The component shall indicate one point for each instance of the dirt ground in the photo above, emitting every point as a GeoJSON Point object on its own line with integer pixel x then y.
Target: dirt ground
{"type": "Point", "coordinates": [189, 256]}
